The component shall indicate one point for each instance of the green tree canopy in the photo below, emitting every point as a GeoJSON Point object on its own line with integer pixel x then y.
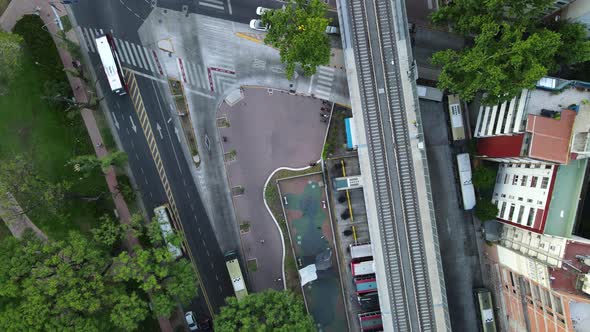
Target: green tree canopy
{"type": "Point", "coordinates": [485, 209]}
{"type": "Point", "coordinates": [266, 311]}
{"type": "Point", "coordinates": [484, 177]}
{"type": "Point", "coordinates": [511, 48]}
{"type": "Point", "coordinates": [10, 61]}
{"type": "Point", "coordinates": [298, 31]}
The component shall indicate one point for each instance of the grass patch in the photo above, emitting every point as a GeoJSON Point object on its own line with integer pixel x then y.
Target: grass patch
{"type": "Point", "coordinates": [45, 136]}
{"type": "Point", "coordinates": [3, 5]}
{"type": "Point", "coordinates": [336, 139]}
{"type": "Point", "coordinates": [252, 265]}
{"type": "Point", "coordinates": [67, 24]}
{"type": "Point", "coordinates": [245, 227]}
{"type": "Point", "coordinates": [271, 195]}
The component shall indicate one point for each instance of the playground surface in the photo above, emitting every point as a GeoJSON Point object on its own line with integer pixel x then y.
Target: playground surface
{"type": "Point", "coordinates": [306, 210]}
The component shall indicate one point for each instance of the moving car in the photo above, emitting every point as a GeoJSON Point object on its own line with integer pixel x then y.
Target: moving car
{"type": "Point", "coordinates": [261, 10]}
{"type": "Point", "coordinates": [256, 24]}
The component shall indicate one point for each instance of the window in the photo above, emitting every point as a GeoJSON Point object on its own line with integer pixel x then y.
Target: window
{"type": "Point", "coordinates": [547, 166]}
{"type": "Point", "coordinates": [523, 181]}
{"type": "Point", "coordinates": [506, 179]}
{"type": "Point", "coordinates": [529, 200]}
{"type": "Point", "coordinates": [529, 221]}
{"type": "Point", "coordinates": [503, 195]}
{"type": "Point", "coordinates": [540, 202]}
{"type": "Point", "coordinates": [515, 180]}
{"type": "Point", "coordinates": [503, 209]}
{"type": "Point", "coordinates": [520, 199]}
{"type": "Point", "coordinates": [520, 213]}
{"type": "Point", "coordinates": [499, 177]}
{"type": "Point", "coordinates": [511, 212]}
{"type": "Point", "coordinates": [544, 182]}
{"type": "Point", "coordinates": [534, 181]}
{"type": "Point", "coordinates": [527, 166]}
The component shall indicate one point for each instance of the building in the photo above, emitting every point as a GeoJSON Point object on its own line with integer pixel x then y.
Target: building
{"type": "Point", "coordinates": [577, 11]}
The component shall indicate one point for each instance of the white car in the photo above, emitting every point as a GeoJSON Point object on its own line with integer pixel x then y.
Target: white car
{"type": "Point", "coordinates": [191, 321]}
{"type": "Point", "coordinates": [256, 24]}
{"type": "Point", "coordinates": [332, 30]}
{"type": "Point", "coordinates": [261, 10]}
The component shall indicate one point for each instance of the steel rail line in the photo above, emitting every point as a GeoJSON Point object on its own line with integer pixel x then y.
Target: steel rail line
{"type": "Point", "coordinates": [386, 122]}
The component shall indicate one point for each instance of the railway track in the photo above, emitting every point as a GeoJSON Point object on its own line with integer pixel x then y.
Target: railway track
{"type": "Point", "coordinates": [391, 162]}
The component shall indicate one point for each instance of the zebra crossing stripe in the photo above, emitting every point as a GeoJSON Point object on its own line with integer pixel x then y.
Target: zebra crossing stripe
{"type": "Point", "coordinates": [142, 57]}
{"type": "Point", "coordinates": [101, 32]}
{"type": "Point", "coordinates": [189, 73]}
{"type": "Point", "coordinates": [202, 76]}
{"type": "Point", "coordinates": [92, 34]}
{"type": "Point", "coordinates": [133, 47]}
{"type": "Point", "coordinates": [89, 41]}
{"type": "Point", "coordinates": [148, 59]}
{"type": "Point", "coordinates": [121, 50]}
{"type": "Point", "coordinates": [212, 4]}
{"type": "Point", "coordinates": [130, 54]}
{"type": "Point", "coordinates": [98, 34]}
{"type": "Point", "coordinates": [195, 73]}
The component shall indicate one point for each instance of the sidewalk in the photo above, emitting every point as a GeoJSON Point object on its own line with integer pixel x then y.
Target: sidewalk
{"type": "Point", "coordinates": [16, 220]}
{"type": "Point", "coordinates": [13, 13]}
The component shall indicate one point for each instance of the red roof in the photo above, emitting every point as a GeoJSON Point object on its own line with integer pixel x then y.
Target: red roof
{"type": "Point", "coordinates": [550, 138]}
{"type": "Point", "coordinates": [564, 278]}
{"type": "Point", "coordinates": [500, 146]}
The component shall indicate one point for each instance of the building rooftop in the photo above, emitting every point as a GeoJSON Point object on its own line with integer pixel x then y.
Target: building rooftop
{"type": "Point", "coordinates": [565, 198]}
{"type": "Point", "coordinates": [565, 278]}
{"type": "Point", "coordinates": [500, 146]}
{"type": "Point", "coordinates": [550, 138]}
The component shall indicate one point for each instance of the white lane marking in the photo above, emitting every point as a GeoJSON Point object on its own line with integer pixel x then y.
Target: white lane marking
{"type": "Point", "coordinates": [142, 57]}
{"type": "Point", "coordinates": [101, 31]}
{"type": "Point", "coordinates": [310, 84]}
{"type": "Point", "coordinates": [122, 51]}
{"type": "Point", "coordinates": [92, 34]}
{"type": "Point", "coordinates": [188, 72]}
{"type": "Point", "coordinates": [134, 47]}
{"type": "Point", "coordinates": [211, 5]}
{"type": "Point", "coordinates": [130, 54]}
{"type": "Point", "coordinates": [202, 76]}
{"type": "Point", "coordinates": [98, 33]}
{"type": "Point", "coordinates": [149, 60]}
{"type": "Point", "coordinates": [167, 130]}
{"type": "Point", "coordinates": [229, 7]}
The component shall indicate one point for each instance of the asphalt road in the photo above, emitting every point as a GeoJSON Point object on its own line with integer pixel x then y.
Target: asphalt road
{"type": "Point", "coordinates": [199, 234]}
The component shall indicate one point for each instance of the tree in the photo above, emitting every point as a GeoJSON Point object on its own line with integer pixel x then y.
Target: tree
{"type": "Point", "coordinates": [483, 177]}
{"type": "Point", "coordinates": [485, 210]}
{"type": "Point", "coordinates": [575, 47]}
{"type": "Point", "coordinates": [21, 179]}
{"type": "Point", "coordinates": [10, 61]}
{"type": "Point", "coordinates": [266, 311]}
{"type": "Point", "coordinates": [298, 31]}
{"type": "Point", "coordinates": [108, 232]}
{"type": "Point", "coordinates": [88, 164]}
{"type": "Point", "coordinates": [116, 159]}
{"type": "Point", "coordinates": [501, 63]}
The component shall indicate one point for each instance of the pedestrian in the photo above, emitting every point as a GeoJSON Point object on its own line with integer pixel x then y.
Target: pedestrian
{"type": "Point", "coordinates": [77, 87]}
{"type": "Point", "coordinates": [261, 241]}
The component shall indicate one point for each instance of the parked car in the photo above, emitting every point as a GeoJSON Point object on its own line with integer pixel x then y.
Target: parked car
{"type": "Point", "coordinates": [332, 30]}
{"type": "Point", "coordinates": [256, 24]}
{"type": "Point", "coordinates": [191, 321]}
{"type": "Point", "coordinates": [261, 10]}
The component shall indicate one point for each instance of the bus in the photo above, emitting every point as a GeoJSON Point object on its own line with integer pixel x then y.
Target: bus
{"type": "Point", "coordinates": [369, 301]}
{"type": "Point", "coordinates": [164, 218]}
{"type": "Point", "coordinates": [111, 64]}
{"type": "Point", "coordinates": [362, 268]}
{"type": "Point", "coordinates": [456, 114]}
{"type": "Point", "coordinates": [485, 311]}
{"type": "Point", "coordinates": [370, 321]}
{"type": "Point", "coordinates": [235, 274]}
{"type": "Point", "coordinates": [467, 190]}
{"type": "Point", "coordinates": [365, 285]}
{"type": "Point", "coordinates": [361, 251]}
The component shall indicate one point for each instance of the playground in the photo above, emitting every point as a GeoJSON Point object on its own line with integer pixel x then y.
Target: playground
{"type": "Point", "coordinates": [306, 211]}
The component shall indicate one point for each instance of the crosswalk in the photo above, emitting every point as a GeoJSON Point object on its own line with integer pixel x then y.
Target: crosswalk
{"type": "Point", "coordinates": [130, 54]}
{"type": "Point", "coordinates": [215, 5]}
{"type": "Point", "coordinates": [324, 78]}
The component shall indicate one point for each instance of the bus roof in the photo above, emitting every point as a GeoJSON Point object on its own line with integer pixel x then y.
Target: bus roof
{"type": "Point", "coordinates": [105, 52]}
{"type": "Point", "coordinates": [467, 190]}
{"type": "Point", "coordinates": [362, 268]}
{"type": "Point", "coordinates": [361, 251]}
{"type": "Point", "coordinates": [166, 229]}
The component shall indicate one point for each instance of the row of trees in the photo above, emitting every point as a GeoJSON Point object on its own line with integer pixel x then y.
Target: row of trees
{"type": "Point", "coordinates": [90, 284]}
{"type": "Point", "coordinates": [511, 47]}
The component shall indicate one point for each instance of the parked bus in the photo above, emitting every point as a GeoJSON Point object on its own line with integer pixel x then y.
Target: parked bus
{"type": "Point", "coordinates": [370, 321]}
{"type": "Point", "coordinates": [361, 251]}
{"type": "Point", "coordinates": [429, 93]}
{"type": "Point", "coordinates": [369, 301]}
{"type": "Point", "coordinates": [164, 218]}
{"type": "Point", "coordinates": [456, 114]}
{"type": "Point", "coordinates": [485, 309]}
{"type": "Point", "coordinates": [110, 62]}
{"type": "Point", "coordinates": [235, 274]}
{"type": "Point", "coordinates": [467, 190]}
{"type": "Point", "coordinates": [365, 285]}
{"type": "Point", "coordinates": [362, 268]}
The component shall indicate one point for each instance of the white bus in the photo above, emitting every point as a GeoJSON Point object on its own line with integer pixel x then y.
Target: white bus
{"type": "Point", "coordinates": [456, 114]}
{"type": "Point", "coordinates": [362, 268]}
{"type": "Point", "coordinates": [235, 274]}
{"type": "Point", "coordinates": [111, 64]}
{"type": "Point", "coordinates": [164, 218]}
{"type": "Point", "coordinates": [467, 190]}
{"type": "Point", "coordinates": [361, 251]}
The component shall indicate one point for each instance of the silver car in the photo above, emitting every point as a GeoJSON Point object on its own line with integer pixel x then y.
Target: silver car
{"type": "Point", "coordinates": [256, 24]}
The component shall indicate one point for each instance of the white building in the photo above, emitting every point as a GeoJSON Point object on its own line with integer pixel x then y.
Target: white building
{"type": "Point", "coordinates": [522, 193]}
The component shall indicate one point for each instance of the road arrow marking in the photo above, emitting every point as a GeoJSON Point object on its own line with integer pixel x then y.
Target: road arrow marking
{"type": "Point", "coordinates": [115, 120]}
{"type": "Point", "coordinates": [133, 124]}
{"type": "Point", "coordinates": [159, 129]}
{"type": "Point", "coordinates": [177, 135]}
